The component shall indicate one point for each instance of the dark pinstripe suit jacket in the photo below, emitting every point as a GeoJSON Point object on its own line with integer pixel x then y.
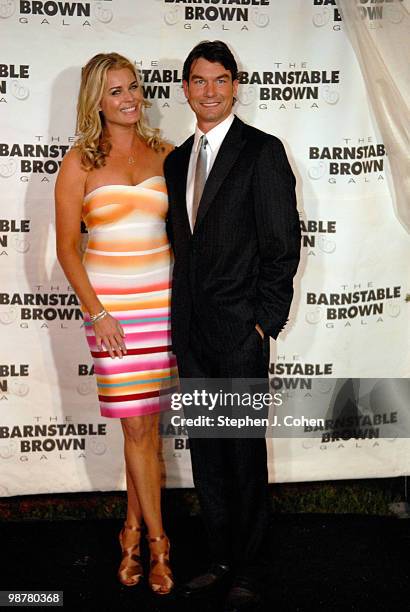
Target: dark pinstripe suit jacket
{"type": "Point", "coordinates": [236, 269]}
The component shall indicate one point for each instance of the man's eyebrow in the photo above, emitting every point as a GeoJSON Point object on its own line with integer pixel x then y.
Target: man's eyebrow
{"type": "Point", "coordinates": [199, 76]}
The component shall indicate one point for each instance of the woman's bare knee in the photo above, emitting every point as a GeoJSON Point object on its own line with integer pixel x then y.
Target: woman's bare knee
{"type": "Point", "coordinates": [139, 430]}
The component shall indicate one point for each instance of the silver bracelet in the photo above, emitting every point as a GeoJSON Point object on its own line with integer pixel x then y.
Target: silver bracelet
{"type": "Point", "coordinates": [103, 314]}
{"type": "Point", "coordinates": [97, 317]}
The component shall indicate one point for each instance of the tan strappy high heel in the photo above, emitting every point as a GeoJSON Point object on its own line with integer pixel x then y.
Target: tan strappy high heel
{"type": "Point", "coordinates": [130, 570]}
{"type": "Point", "coordinates": [160, 578]}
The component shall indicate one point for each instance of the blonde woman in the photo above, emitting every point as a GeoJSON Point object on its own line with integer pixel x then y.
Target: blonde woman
{"type": "Point", "coordinates": [113, 179]}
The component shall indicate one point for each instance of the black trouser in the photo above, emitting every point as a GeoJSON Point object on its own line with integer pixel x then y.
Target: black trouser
{"type": "Point", "coordinates": [230, 475]}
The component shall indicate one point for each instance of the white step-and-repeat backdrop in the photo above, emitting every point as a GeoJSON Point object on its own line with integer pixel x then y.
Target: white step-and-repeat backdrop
{"type": "Point", "coordinates": [300, 81]}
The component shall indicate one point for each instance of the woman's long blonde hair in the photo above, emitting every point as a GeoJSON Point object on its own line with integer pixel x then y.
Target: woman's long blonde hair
{"type": "Point", "coordinates": [91, 140]}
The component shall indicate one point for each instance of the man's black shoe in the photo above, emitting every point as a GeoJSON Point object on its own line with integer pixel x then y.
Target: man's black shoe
{"type": "Point", "coordinates": [217, 577]}
{"type": "Point", "coordinates": [243, 597]}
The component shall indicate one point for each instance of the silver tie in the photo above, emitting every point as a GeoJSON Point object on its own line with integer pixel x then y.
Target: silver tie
{"type": "Point", "coordinates": [200, 177]}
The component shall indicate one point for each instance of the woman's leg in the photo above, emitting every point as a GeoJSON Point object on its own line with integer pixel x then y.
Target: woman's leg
{"type": "Point", "coordinates": [141, 446]}
{"type": "Point", "coordinates": [143, 470]}
{"type": "Point", "coordinates": [130, 569]}
{"type": "Point", "coordinates": [134, 513]}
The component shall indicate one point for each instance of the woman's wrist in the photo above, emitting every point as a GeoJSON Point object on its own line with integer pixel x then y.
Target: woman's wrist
{"type": "Point", "coordinates": [98, 316]}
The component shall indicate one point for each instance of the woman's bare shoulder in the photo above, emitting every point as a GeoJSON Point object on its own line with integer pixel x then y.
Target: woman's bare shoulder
{"type": "Point", "coordinates": [72, 173]}
{"type": "Point", "coordinates": [72, 161]}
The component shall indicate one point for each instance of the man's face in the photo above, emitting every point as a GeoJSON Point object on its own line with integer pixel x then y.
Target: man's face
{"type": "Point", "coordinates": [210, 92]}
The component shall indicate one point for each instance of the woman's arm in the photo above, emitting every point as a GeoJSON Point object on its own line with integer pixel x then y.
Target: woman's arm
{"type": "Point", "coordinates": [69, 196]}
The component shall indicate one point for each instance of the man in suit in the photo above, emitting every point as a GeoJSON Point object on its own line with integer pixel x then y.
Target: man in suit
{"type": "Point", "coordinates": [235, 232]}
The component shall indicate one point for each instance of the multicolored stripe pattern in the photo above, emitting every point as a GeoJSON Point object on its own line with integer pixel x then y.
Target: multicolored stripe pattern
{"type": "Point", "coordinates": [129, 263]}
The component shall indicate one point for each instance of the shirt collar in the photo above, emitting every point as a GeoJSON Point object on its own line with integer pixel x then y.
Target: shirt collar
{"type": "Point", "coordinates": [216, 135]}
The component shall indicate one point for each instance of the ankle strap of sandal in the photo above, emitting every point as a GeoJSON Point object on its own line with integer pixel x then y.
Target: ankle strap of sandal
{"type": "Point", "coordinates": [132, 527]}
{"type": "Point", "coordinates": [156, 538]}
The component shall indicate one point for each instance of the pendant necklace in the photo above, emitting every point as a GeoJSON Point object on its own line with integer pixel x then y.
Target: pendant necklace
{"type": "Point", "coordinates": [131, 160]}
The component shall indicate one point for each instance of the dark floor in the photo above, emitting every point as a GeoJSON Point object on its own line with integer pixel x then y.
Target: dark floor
{"type": "Point", "coordinates": [321, 562]}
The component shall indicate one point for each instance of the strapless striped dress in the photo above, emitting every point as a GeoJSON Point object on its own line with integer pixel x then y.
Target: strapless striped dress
{"type": "Point", "coordinates": [129, 263]}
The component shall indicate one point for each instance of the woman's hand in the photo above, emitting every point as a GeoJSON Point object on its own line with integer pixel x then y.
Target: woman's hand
{"type": "Point", "coordinates": [109, 333]}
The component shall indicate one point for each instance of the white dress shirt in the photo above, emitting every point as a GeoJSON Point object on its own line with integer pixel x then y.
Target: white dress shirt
{"type": "Point", "coordinates": [215, 138]}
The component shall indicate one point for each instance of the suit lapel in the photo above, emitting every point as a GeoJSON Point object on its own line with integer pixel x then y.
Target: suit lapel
{"type": "Point", "coordinates": [182, 155]}
{"type": "Point", "coordinates": [226, 157]}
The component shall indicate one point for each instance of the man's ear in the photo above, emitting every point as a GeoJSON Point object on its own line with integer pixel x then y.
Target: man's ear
{"type": "Point", "coordinates": [235, 85]}
{"type": "Point", "coordinates": [185, 87]}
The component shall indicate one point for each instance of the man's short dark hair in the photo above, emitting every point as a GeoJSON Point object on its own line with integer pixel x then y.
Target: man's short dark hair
{"type": "Point", "coordinates": [212, 51]}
